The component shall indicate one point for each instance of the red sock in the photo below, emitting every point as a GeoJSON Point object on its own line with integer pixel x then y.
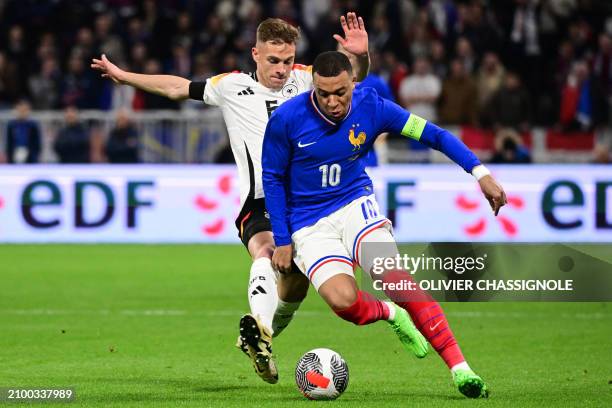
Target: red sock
{"type": "Point", "coordinates": [366, 309]}
{"type": "Point", "coordinates": [428, 317]}
{"type": "Point", "coordinates": [431, 321]}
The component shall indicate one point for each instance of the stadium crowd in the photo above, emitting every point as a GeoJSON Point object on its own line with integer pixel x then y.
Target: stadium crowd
{"type": "Point", "coordinates": [503, 65]}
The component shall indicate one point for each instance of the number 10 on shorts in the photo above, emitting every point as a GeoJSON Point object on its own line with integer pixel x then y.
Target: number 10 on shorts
{"type": "Point", "coordinates": [368, 210]}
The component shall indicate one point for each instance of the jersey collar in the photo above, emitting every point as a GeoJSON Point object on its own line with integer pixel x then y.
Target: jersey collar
{"type": "Point", "coordinates": [322, 115]}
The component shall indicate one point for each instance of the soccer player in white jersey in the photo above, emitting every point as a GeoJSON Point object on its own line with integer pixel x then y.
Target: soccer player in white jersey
{"type": "Point", "coordinates": [323, 210]}
{"type": "Point", "coordinates": [247, 100]}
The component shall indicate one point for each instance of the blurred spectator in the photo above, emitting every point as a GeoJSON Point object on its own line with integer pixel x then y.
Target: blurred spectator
{"type": "Point", "coordinates": [602, 64]}
{"type": "Point", "coordinates": [72, 144]}
{"type": "Point", "coordinates": [77, 87]}
{"type": "Point", "coordinates": [419, 92]}
{"type": "Point", "coordinates": [379, 34]}
{"type": "Point", "coordinates": [509, 148]}
{"type": "Point", "coordinates": [439, 63]}
{"type": "Point", "coordinates": [510, 106]}
{"type": "Point", "coordinates": [214, 38]}
{"type": "Point", "coordinates": [9, 79]}
{"type": "Point", "coordinates": [579, 33]}
{"type": "Point", "coordinates": [180, 64]}
{"type": "Point", "coordinates": [394, 71]}
{"type": "Point", "coordinates": [202, 71]}
{"type": "Point", "coordinates": [150, 15]}
{"type": "Point", "coordinates": [583, 105]}
{"type": "Point", "coordinates": [285, 10]}
{"type": "Point", "coordinates": [601, 154]}
{"type": "Point", "coordinates": [107, 42]}
{"type": "Point", "coordinates": [23, 139]}
{"type": "Point", "coordinates": [17, 53]}
{"type": "Point", "coordinates": [480, 29]}
{"type": "Point", "coordinates": [458, 101]}
{"type": "Point", "coordinates": [563, 66]}
{"type": "Point", "coordinates": [47, 48]}
{"type": "Point", "coordinates": [84, 47]}
{"type": "Point", "coordinates": [184, 32]}
{"type": "Point", "coordinates": [122, 143]}
{"type": "Point", "coordinates": [246, 36]}
{"type": "Point", "coordinates": [138, 57]}
{"type": "Point", "coordinates": [328, 26]}
{"type": "Point", "coordinates": [524, 34]}
{"type": "Point", "coordinates": [444, 17]}
{"type": "Point", "coordinates": [203, 67]}
{"type": "Point", "coordinates": [149, 101]}
{"type": "Point", "coordinates": [45, 86]}
{"type": "Point", "coordinates": [465, 53]}
{"type": "Point", "coordinates": [136, 33]}
{"type": "Point", "coordinates": [313, 11]}
{"type": "Point", "coordinates": [419, 41]}
{"type": "Point", "coordinates": [230, 63]}
{"type": "Point", "coordinates": [490, 79]}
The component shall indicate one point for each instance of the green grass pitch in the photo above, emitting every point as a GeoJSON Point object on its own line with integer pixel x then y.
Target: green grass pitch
{"type": "Point", "coordinates": [136, 325]}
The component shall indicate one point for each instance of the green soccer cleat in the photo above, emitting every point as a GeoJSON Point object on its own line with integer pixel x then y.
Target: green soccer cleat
{"type": "Point", "coordinates": [470, 384]}
{"type": "Point", "coordinates": [256, 342]}
{"type": "Point", "coordinates": [409, 335]}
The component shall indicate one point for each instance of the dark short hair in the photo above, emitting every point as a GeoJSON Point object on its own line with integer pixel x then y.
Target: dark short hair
{"type": "Point", "coordinates": [331, 64]}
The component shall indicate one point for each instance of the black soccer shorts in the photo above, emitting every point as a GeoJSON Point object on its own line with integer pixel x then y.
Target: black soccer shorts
{"type": "Point", "coordinates": [253, 218]}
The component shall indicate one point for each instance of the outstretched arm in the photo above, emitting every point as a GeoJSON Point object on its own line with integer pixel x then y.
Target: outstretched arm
{"type": "Point", "coordinates": [395, 119]}
{"type": "Point", "coordinates": [170, 86]}
{"type": "Point", "coordinates": [355, 44]}
{"type": "Point", "coordinates": [444, 141]}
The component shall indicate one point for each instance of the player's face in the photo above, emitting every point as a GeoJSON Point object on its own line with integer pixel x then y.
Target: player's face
{"type": "Point", "coordinates": [274, 63]}
{"type": "Point", "coordinates": [334, 94]}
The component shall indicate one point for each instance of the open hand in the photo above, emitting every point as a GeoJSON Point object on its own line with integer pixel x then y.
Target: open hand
{"type": "Point", "coordinates": [355, 38]}
{"type": "Point", "coordinates": [108, 69]}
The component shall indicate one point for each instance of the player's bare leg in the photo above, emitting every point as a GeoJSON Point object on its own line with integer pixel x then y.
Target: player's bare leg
{"type": "Point", "coordinates": [256, 328]}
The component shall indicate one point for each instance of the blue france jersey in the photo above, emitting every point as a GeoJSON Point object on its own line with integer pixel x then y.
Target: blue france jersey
{"type": "Point", "coordinates": [313, 166]}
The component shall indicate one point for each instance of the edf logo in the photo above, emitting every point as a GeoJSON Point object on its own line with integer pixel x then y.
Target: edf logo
{"type": "Point", "coordinates": [46, 194]}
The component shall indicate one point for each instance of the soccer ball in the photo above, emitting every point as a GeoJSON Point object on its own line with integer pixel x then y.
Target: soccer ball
{"type": "Point", "coordinates": [321, 374]}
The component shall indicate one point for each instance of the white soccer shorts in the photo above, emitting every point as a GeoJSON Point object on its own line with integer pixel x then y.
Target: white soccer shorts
{"type": "Point", "coordinates": [332, 245]}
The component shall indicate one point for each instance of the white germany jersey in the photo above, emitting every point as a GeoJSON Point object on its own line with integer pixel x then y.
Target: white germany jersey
{"type": "Point", "coordinates": [247, 106]}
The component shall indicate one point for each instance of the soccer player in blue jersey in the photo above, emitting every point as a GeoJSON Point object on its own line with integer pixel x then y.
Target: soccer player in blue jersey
{"type": "Point", "coordinates": [321, 200]}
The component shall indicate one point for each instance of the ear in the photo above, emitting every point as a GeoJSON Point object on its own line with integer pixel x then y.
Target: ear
{"type": "Point", "coordinates": [255, 54]}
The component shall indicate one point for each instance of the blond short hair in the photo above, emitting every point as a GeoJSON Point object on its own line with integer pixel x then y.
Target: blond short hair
{"type": "Point", "coordinates": [277, 31]}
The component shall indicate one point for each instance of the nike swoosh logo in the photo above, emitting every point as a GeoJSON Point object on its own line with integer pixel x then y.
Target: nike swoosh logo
{"type": "Point", "coordinates": [306, 144]}
{"type": "Point", "coordinates": [432, 328]}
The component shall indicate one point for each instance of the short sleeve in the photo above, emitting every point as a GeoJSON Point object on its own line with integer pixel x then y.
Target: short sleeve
{"type": "Point", "coordinates": [213, 92]}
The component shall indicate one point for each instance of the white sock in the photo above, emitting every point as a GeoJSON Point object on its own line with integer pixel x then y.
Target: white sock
{"type": "Point", "coordinates": [391, 307]}
{"type": "Point", "coordinates": [460, 366]}
{"type": "Point", "coordinates": [263, 295]}
{"type": "Point", "coordinates": [283, 315]}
